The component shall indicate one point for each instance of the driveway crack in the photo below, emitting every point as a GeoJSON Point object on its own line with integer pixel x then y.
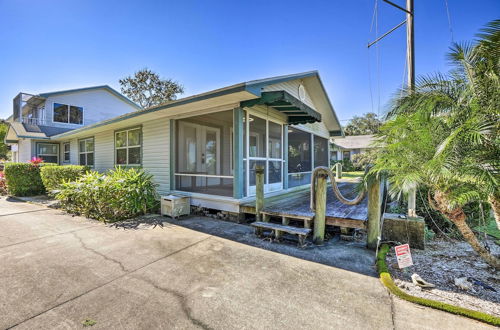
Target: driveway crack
{"type": "Point", "coordinates": [87, 248]}
{"type": "Point", "coordinates": [182, 300]}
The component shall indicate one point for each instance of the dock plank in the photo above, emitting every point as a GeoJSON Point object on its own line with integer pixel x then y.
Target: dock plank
{"type": "Point", "coordinates": [298, 203]}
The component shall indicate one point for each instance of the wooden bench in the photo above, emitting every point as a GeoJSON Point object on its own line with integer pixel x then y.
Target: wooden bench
{"type": "Point", "coordinates": [278, 229]}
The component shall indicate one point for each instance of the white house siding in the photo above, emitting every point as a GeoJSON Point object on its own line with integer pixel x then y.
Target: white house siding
{"type": "Point", "coordinates": [104, 151]}
{"type": "Point", "coordinates": [156, 151]}
{"type": "Point", "coordinates": [24, 150]}
{"type": "Point", "coordinates": [318, 128]}
{"type": "Point", "coordinates": [292, 87]}
{"type": "Point", "coordinates": [97, 105]}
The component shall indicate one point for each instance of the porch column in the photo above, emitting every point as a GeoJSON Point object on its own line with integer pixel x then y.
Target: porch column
{"type": "Point", "coordinates": [285, 157]}
{"type": "Point", "coordinates": [172, 153]}
{"type": "Point", "coordinates": [238, 153]}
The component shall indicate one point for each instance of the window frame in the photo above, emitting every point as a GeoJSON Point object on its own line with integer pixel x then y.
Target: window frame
{"type": "Point", "coordinates": [312, 136]}
{"type": "Point", "coordinates": [69, 114]}
{"type": "Point", "coordinates": [86, 152]}
{"type": "Point", "coordinates": [39, 155]}
{"type": "Point", "coordinates": [140, 145]}
{"type": "Point", "coordinates": [64, 152]}
{"type": "Point", "coordinates": [268, 187]}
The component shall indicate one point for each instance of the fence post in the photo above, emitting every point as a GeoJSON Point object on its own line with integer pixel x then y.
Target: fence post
{"type": "Point", "coordinates": [259, 194]}
{"type": "Point", "coordinates": [374, 213]}
{"type": "Point", "coordinates": [338, 171]}
{"type": "Point", "coordinates": [319, 217]}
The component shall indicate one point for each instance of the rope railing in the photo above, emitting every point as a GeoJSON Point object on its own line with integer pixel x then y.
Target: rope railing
{"type": "Point", "coordinates": [325, 170]}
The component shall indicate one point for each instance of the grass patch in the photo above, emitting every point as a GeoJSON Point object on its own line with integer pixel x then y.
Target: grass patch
{"type": "Point", "coordinates": [490, 229]}
{"type": "Point", "coordinates": [386, 279]}
{"type": "Point", "coordinates": [88, 323]}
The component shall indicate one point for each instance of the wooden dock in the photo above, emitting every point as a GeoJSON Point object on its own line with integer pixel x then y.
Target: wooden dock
{"type": "Point", "coordinates": [296, 205]}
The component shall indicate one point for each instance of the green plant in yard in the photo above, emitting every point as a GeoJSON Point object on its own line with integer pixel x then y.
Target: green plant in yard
{"type": "Point", "coordinates": [119, 194]}
{"type": "Point", "coordinates": [23, 179]}
{"type": "Point", "coordinates": [443, 135]}
{"type": "Point", "coordinates": [54, 176]}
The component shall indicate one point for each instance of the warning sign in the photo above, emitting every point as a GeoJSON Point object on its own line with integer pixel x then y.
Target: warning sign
{"type": "Point", "coordinates": [404, 256]}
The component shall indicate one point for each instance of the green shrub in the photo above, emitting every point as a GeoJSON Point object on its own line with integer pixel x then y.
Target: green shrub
{"type": "Point", "coordinates": [119, 194]}
{"type": "Point", "coordinates": [23, 179]}
{"type": "Point", "coordinates": [54, 176]}
{"type": "Point", "coordinates": [346, 165]}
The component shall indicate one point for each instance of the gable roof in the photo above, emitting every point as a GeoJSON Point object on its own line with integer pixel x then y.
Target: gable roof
{"type": "Point", "coordinates": [247, 91]}
{"type": "Point", "coordinates": [355, 141]}
{"type": "Point", "coordinates": [93, 88]}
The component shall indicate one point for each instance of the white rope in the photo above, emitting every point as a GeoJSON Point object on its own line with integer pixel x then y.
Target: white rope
{"type": "Point", "coordinates": [336, 190]}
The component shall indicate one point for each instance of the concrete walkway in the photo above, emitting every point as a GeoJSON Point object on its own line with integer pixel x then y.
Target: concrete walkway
{"type": "Point", "coordinates": [57, 271]}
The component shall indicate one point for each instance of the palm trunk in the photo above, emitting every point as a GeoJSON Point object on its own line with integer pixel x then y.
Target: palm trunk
{"type": "Point", "coordinates": [495, 206]}
{"type": "Point", "coordinates": [457, 216]}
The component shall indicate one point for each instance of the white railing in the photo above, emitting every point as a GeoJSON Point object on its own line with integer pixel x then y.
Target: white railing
{"type": "Point", "coordinates": [33, 121]}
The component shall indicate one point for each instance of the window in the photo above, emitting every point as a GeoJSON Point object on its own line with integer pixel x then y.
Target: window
{"type": "Point", "coordinates": [128, 147]}
{"type": "Point", "coordinates": [68, 114]}
{"type": "Point", "coordinates": [299, 151]}
{"type": "Point", "coordinates": [346, 155]}
{"type": "Point", "coordinates": [48, 152]}
{"type": "Point", "coordinates": [320, 151]}
{"type": "Point", "coordinates": [66, 154]}
{"type": "Point", "coordinates": [86, 151]}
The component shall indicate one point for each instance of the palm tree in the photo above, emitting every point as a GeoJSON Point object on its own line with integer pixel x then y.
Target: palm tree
{"type": "Point", "coordinates": [444, 135]}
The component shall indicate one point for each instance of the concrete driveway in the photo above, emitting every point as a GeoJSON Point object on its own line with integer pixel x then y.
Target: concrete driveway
{"type": "Point", "coordinates": [57, 271]}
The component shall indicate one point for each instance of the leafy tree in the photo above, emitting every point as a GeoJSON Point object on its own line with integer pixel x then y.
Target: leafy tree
{"type": "Point", "coordinates": [147, 89]}
{"type": "Point", "coordinates": [3, 147]}
{"type": "Point", "coordinates": [361, 160]}
{"type": "Point", "coordinates": [443, 135]}
{"type": "Point", "coordinates": [369, 123]}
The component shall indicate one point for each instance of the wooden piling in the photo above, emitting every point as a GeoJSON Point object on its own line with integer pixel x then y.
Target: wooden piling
{"type": "Point", "coordinates": [259, 194]}
{"type": "Point", "coordinates": [319, 217]}
{"type": "Point", "coordinates": [374, 214]}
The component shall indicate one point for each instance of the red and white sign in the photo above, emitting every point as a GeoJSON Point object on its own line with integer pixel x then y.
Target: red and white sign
{"type": "Point", "coordinates": [404, 256]}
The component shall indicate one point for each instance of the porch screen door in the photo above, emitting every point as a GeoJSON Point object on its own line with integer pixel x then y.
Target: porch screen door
{"type": "Point", "coordinates": [199, 153]}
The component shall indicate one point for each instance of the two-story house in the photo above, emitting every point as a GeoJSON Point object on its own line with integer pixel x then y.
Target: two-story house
{"type": "Point", "coordinates": [36, 118]}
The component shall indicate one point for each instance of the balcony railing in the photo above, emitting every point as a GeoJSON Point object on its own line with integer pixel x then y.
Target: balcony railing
{"type": "Point", "coordinates": [33, 121]}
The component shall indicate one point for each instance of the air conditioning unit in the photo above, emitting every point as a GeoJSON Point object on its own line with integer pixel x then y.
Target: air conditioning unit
{"type": "Point", "coordinates": [174, 206]}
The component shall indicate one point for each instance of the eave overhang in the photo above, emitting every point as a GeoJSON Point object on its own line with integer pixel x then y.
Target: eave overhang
{"type": "Point", "coordinates": [297, 111]}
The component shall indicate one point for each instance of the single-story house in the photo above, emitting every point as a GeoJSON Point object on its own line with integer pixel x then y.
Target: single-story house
{"type": "Point", "coordinates": [344, 147]}
{"type": "Point", "coordinates": [208, 145]}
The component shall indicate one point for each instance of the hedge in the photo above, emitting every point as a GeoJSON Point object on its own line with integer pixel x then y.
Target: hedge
{"type": "Point", "coordinates": [117, 195]}
{"type": "Point", "coordinates": [54, 176]}
{"type": "Point", "coordinates": [23, 179]}
{"type": "Point", "coordinates": [387, 281]}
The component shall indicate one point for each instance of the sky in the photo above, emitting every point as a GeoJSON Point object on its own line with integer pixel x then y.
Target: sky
{"type": "Point", "coordinates": [61, 44]}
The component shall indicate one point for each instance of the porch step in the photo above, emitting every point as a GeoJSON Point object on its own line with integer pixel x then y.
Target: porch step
{"type": "Point", "coordinates": [278, 229]}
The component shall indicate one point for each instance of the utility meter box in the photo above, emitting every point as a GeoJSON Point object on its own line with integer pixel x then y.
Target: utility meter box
{"type": "Point", "coordinates": [174, 206]}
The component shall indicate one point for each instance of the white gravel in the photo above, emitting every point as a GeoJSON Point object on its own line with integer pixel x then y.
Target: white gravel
{"type": "Point", "coordinates": [440, 264]}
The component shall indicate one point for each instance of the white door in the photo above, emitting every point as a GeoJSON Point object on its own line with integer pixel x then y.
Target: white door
{"type": "Point", "coordinates": [199, 152]}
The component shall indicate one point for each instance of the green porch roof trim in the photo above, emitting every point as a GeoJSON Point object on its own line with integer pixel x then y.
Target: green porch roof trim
{"type": "Point", "coordinates": [92, 88]}
{"type": "Point", "coordinates": [297, 111]}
